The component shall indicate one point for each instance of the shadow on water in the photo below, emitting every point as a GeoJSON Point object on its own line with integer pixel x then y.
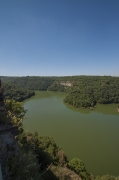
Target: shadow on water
{"type": "Point", "coordinates": [80, 110]}
{"type": "Point", "coordinates": [108, 109]}
{"type": "Point", "coordinates": [46, 94]}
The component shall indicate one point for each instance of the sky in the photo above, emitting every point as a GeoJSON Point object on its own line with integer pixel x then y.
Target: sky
{"type": "Point", "coordinates": [59, 37]}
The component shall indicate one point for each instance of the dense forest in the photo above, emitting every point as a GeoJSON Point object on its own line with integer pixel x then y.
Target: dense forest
{"type": "Point", "coordinates": [40, 157]}
{"type": "Point", "coordinates": [15, 92]}
{"type": "Point", "coordinates": [31, 83]}
{"type": "Point", "coordinates": [81, 91]}
{"type": "Point", "coordinates": [88, 91]}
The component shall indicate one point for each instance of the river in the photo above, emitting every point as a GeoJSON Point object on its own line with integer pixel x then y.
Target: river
{"type": "Point", "coordinates": [92, 136]}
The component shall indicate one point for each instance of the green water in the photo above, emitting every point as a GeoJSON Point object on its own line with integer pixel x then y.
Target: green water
{"type": "Point", "coordinates": [92, 136]}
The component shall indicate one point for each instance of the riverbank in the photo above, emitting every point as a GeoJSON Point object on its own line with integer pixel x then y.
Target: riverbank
{"type": "Point", "coordinates": [81, 133]}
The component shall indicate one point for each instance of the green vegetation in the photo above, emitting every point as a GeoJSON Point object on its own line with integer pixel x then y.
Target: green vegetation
{"type": "Point", "coordinates": [78, 167]}
{"type": "Point", "coordinates": [31, 83]}
{"type": "Point", "coordinates": [17, 93]}
{"type": "Point", "coordinates": [85, 91]}
{"type": "Point", "coordinates": [40, 158]}
{"type": "Point", "coordinates": [107, 177]}
{"type": "Point", "coordinates": [92, 90]}
{"type": "Point", "coordinates": [23, 166]}
{"type": "Point", "coordinates": [56, 86]}
{"type": "Point", "coordinates": [15, 113]}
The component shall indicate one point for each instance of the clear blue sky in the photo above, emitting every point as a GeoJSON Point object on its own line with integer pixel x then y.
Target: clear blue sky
{"type": "Point", "coordinates": [59, 37]}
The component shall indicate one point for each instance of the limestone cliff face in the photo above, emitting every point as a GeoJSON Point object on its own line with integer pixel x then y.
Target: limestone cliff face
{"type": "Point", "coordinates": [67, 83]}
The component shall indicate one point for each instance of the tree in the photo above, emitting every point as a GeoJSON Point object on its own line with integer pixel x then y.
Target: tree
{"type": "Point", "coordinates": [15, 112]}
{"type": "Point", "coordinates": [78, 167]}
{"type": "Point", "coordinates": [24, 166]}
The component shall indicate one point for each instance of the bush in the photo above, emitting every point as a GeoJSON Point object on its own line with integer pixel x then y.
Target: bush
{"type": "Point", "coordinates": [24, 167]}
{"type": "Point", "coordinates": [78, 167]}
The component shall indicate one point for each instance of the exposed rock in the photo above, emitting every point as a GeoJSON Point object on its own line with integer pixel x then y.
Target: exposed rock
{"type": "Point", "coordinates": [65, 173]}
{"type": "Point", "coordinates": [8, 143]}
{"type": "Point", "coordinates": [67, 83]}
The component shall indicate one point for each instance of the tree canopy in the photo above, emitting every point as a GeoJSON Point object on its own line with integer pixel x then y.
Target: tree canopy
{"type": "Point", "coordinates": [15, 92]}
{"type": "Point", "coordinates": [81, 91]}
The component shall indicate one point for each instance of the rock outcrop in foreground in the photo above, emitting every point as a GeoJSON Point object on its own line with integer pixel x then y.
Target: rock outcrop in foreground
{"type": "Point", "coordinates": [8, 143]}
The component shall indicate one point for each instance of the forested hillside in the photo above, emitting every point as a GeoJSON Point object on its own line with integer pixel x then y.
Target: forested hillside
{"type": "Point", "coordinates": [15, 92]}
{"type": "Point", "coordinates": [31, 83]}
{"type": "Point", "coordinates": [87, 91]}
{"type": "Point", "coordinates": [40, 157]}
{"type": "Point", "coordinates": [82, 91]}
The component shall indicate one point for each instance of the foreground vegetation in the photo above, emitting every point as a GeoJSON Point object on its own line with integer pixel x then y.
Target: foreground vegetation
{"type": "Point", "coordinates": [40, 158]}
{"type": "Point", "coordinates": [83, 91]}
